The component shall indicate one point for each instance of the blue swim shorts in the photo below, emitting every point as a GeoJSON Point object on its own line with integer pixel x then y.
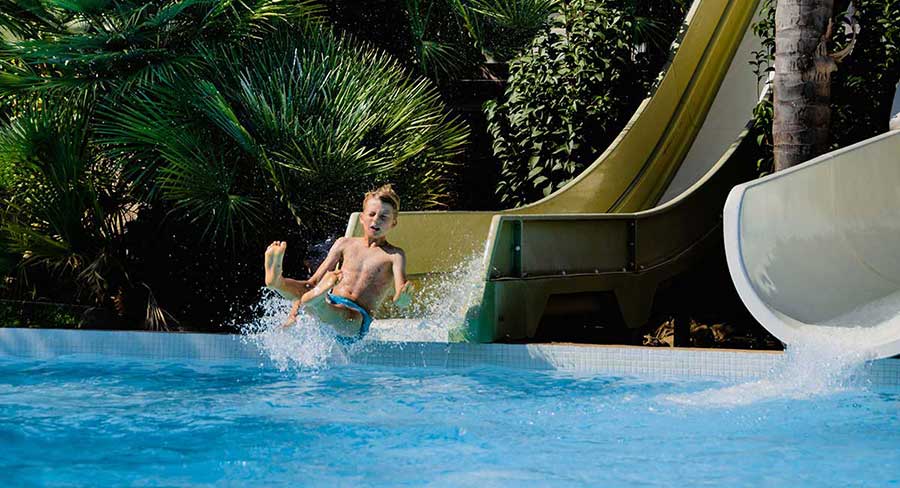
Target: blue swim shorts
{"type": "Point", "coordinates": [366, 318]}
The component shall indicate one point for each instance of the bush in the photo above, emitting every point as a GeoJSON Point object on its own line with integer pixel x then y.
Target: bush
{"type": "Point", "coordinates": [65, 229]}
{"type": "Point", "coordinates": [66, 206]}
{"type": "Point", "coordinates": [574, 90]}
{"type": "Point", "coordinates": [152, 149]}
{"type": "Point", "coordinates": [309, 118]}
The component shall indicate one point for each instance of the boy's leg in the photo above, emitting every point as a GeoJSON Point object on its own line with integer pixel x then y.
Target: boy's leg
{"type": "Point", "coordinates": [345, 321]}
{"type": "Point", "coordinates": [286, 287]}
{"type": "Point", "coordinates": [315, 301]}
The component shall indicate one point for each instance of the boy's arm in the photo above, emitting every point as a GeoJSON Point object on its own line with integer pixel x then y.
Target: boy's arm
{"type": "Point", "coordinates": [292, 315]}
{"type": "Point", "coordinates": [402, 288]}
{"type": "Point", "coordinates": [331, 261]}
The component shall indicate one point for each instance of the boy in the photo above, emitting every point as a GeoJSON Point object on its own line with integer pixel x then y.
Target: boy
{"type": "Point", "coordinates": [345, 298]}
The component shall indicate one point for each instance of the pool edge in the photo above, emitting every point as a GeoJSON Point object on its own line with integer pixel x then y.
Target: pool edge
{"type": "Point", "coordinates": [726, 364]}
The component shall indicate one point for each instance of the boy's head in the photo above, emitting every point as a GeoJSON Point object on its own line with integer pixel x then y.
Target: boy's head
{"type": "Point", "coordinates": [380, 209]}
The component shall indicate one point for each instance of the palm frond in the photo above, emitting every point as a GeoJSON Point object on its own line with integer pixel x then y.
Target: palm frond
{"type": "Point", "coordinates": [361, 117]}
{"type": "Point", "coordinates": [121, 46]}
{"type": "Point", "coordinates": [651, 31]}
{"type": "Point", "coordinates": [320, 117]}
{"type": "Point", "coordinates": [439, 58]}
{"type": "Point", "coordinates": [503, 27]}
{"type": "Point", "coordinates": [26, 19]}
{"type": "Point", "coordinates": [202, 190]}
{"type": "Point", "coordinates": [526, 15]}
{"type": "Point", "coordinates": [163, 145]}
{"type": "Point", "coordinates": [79, 6]}
{"type": "Point", "coordinates": [270, 16]}
{"type": "Point", "coordinates": [64, 202]}
{"type": "Point", "coordinates": [216, 108]}
{"type": "Point", "coordinates": [164, 15]}
{"type": "Point", "coordinates": [156, 318]}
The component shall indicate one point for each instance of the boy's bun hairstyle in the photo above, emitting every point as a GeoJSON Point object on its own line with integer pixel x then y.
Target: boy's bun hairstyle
{"type": "Point", "coordinates": [386, 194]}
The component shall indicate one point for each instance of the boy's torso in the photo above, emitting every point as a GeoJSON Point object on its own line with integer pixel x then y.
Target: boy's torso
{"type": "Point", "coordinates": [367, 273]}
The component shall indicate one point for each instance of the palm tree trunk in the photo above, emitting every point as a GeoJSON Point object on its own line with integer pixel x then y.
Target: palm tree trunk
{"type": "Point", "coordinates": [802, 84]}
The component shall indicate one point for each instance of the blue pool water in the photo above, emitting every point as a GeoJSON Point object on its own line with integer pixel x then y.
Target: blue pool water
{"type": "Point", "coordinates": [82, 420]}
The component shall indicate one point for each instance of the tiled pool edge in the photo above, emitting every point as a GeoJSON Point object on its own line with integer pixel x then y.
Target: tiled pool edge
{"type": "Point", "coordinates": [611, 360]}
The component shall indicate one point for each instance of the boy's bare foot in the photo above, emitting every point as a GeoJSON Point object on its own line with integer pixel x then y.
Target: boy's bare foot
{"type": "Point", "coordinates": [274, 258]}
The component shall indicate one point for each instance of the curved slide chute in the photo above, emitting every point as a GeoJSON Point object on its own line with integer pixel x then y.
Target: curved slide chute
{"type": "Point", "coordinates": [817, 246]}
{"type": "Point", "coordinates": [645, 210]}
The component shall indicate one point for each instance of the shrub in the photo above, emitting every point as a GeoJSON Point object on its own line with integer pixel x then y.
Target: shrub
{"type": "Point", "coordinates": [310, 119]}
{"type": "Point", "coordinates": [445, 39]}
{"type": "Point", "coordinates": [501, 28]}
{"type": "Point", "coordinates": [571, 93]}
{"type": "Point", "coordinates": [66, 206]}
{"type": "Point", "coordinates": [158, 131]}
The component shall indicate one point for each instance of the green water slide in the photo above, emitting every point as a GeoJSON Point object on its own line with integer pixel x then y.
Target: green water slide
{"type": "Point", "coordinates": [644, 211]}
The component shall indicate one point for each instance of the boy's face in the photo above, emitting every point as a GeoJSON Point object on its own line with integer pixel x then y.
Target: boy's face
{"type": "Point", "coordinates": [377, 218]}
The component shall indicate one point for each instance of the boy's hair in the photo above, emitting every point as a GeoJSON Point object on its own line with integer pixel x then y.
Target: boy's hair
{"type": "Point", "coordinates": [386, 194]}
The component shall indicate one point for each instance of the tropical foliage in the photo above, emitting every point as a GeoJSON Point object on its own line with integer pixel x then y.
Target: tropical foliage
{"type": "Point", "coordinates": [574, 89]}
{"type": "Point", "coordinates": [447, 39]}
{"type": "Point", "coordinates": [90, 47]}
{"type": "Point", "coordinates": [501, 28]}
{"type": "Point", "coordinates": [305, 117]}
{"type": "Point", "coordinates": [863, 86]}
{"type": "Point", "coordinates": [66, 207]}
{"type": "Point", "coordinates": [151, 149]}
{"type": "Point", "coordinates": [195, 123]}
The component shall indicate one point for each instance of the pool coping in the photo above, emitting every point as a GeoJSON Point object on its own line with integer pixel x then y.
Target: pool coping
{"type": "Point", "coordinates": [655, 362]}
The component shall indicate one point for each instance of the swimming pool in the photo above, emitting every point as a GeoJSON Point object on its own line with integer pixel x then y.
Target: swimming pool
{"type": "Point", "coordinates": [87, 419]}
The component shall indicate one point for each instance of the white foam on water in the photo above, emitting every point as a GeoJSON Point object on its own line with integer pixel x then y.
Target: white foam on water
{"type": "Point", "coordinates": [307, 345]}
{"type": "Point", "coordinates": [310, 344]}
{"type": "Point", "coordinates": [823, 363]}
{"type": "Point", "coordinates": [824, 359]}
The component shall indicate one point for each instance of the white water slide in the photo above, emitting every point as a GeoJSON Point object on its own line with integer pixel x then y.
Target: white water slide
{"type": "Point", "coordinates": [817, 247]}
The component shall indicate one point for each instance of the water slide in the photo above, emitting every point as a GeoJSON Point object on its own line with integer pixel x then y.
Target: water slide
{"type": "Point", "coordinates": [646, 210]}
{"type": "Point", "coordinates": [816, 248]}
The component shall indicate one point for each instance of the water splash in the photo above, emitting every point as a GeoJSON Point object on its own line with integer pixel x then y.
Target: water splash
{"type": "Point", "coordinates": [441, 307]}
{"type": "Point", "coordinates": [824, 359]}
{"type": "Point", "coordinates": [825, 362]}
{"type": "Point", "coordinates": [307, 345]}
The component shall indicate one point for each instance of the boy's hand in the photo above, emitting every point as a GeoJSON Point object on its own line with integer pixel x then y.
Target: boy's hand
{"type": "Point", "coordinates": [404, 297]}
{"type": "Point", "coordinates": [292, 315]}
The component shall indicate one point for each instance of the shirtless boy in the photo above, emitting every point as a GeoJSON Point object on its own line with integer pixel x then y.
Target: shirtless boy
{"type": "Point", "coordinates": [345, 298]}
